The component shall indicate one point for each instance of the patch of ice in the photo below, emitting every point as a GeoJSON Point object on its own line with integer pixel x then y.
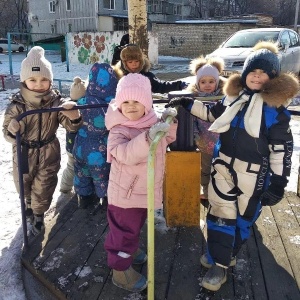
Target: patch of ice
{"type": "Point", "coordinates": [295, 239]}
{"type": "Point", "coordinates": [85, 271]}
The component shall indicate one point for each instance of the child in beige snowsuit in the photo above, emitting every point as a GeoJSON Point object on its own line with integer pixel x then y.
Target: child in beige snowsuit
{"type": "Point", "coordinates": [40, 146]}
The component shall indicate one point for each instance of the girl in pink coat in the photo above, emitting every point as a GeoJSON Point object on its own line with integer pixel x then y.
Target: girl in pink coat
{"type": "Point", "coordinates": [133, 125]}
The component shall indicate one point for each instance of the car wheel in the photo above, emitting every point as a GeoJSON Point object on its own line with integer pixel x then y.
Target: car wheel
{"type": "Point", "coordinates": [1, 50]}
{"type": "Point", "coordinates": [21, 49]}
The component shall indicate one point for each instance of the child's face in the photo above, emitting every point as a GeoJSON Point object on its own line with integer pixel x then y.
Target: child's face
{"type": "Point", "coordinates": [37, 84]}
{"type": "Point", "coordinates": [133, 65]}
{"type": "Point", "coordinates": [207, 84]}
{"type": "Point", "coordinates": [132, 109]}
{"type": "Point", "coordinates": [256, 78]}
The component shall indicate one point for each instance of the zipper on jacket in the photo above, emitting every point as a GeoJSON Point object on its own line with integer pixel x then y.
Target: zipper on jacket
{"type": "Point", "coordinates": [132, 186]}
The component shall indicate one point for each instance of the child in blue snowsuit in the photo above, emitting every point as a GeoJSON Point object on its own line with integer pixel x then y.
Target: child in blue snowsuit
{"type": "Point", "coordinates": [253, 163]}
{"type": "Point", "coordinates": [91, 169]}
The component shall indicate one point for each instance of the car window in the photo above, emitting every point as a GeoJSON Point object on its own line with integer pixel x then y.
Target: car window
{"type": "Point", "coordinates": [3, 42]}
{"type": "Point", "coordinates": [250, 38]}
{"type": "Point", "coordinates": [294, 39]}
{"type": "Point", "coordinates": [285, 39]}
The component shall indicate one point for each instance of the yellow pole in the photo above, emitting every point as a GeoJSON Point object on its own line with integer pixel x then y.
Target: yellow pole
{"type": "Point", "coordinates": [150, 211]}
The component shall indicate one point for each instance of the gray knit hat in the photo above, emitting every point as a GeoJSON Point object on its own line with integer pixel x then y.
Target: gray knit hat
{"type": "Point", "coordinates": [35, 64]}
{"type": "Point", "coordinates": [263, 57]}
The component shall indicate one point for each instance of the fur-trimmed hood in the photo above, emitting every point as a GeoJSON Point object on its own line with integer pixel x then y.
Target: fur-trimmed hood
{"type": "Point", "coordinates": [275, 92]}
{"type": "Point", "coordinates": [121, 71]}
{"type": "Point", "coordinates": [192, 87]}
{"type": "Point", "coordinates": [198, 63]}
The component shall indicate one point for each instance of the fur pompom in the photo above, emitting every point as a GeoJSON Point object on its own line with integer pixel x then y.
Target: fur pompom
{"type": "Point", "coordinates": [199, 62]}
{"type": "Point", "coordinates": [266, 45]}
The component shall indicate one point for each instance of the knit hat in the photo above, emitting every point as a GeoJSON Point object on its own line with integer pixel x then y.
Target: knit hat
{"type": "Point", "coordinates": [132, 52]}
{"type": "Point", "coordinates": [263, 57]}
{"type": "Point", "coordinates": [77, 89]}
{"type": "Point", "coordinates": [35, 64]}
{"type": "Point", "coordinates": [208, 70]}
{"type": "Point", "coordinates": [136, 87]}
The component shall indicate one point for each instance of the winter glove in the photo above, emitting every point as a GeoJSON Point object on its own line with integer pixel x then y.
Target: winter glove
{"type": "Point", "coordinates": [275, 191]}
{"type": "Point", "coordinates": [184, 85]}
{"type": "Point", "coordinates": [169, 112]}
{"type": "Point", "coordinates": [72, 114]}
{"type": "Point", "coordinates": [77, 89]}
{"type": "Point", "coordinates": [163, 127]}
{"type": "Point", "coordinates": [185, 102]}
{"type": "Point", "coordinates": [14, 126]}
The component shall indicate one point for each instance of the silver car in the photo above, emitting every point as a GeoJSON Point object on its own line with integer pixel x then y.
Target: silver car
{"type": "Point", "coordinates": [236, 48]}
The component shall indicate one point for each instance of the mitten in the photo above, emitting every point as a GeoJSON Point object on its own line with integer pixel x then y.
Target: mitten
{"type": "Point", "coordinates": [169, 112]}
{"type": "Point", "coordinates": [184, 85]}
{"type": "Point", "coordinates": [185, 102]}
{"type": "Point", "coordinates": [72, 114]}
{"type": "Point", "coordinates": [14, 126]}
{"type": "Point", "coordinates": [77, 89]}
{"type": "Point", "coordinates": [275, 191]}
{"type": "Point", "coordinates": [164, 127]}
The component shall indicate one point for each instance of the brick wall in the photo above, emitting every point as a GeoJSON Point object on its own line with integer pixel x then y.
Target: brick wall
{"type": "Point", "coordinates": [191, 40]}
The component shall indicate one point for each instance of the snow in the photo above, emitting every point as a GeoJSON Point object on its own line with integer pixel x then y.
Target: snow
{"type": "Point", "coordinates": [11, 237]}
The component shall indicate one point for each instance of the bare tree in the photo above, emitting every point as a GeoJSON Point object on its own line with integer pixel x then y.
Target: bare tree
{"type": "Point", "coordinates": [13, 16]}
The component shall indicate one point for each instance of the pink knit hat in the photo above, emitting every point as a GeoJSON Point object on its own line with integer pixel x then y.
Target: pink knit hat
{"type": "Point", "coordinates": [136, 87]}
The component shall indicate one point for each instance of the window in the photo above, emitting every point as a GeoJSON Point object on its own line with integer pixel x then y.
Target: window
{"type": "Point", "coordinates": [125, 5]}
{"type": "Point", "coordinates": [285, 39]}
{"type": "Point", "coordinates": [109, 4]}
{"type": "Point", "coordinates": [294, 39]}
{"type": "Point", "coordinates": [68, 4]}
{"type": "Point", "coordinates": [52, 6]}
{"type": "Point", "coordinates": [177, 10]}
{"type": "Point", "coordinates": [121, 24]}
{"type": "Point", "coordinates": [70, 27]}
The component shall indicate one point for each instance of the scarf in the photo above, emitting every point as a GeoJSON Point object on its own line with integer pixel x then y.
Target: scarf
{"type": "Point", "coordinates": [252, 119]}
{"type": "Point", "coordinates": [144, 122]}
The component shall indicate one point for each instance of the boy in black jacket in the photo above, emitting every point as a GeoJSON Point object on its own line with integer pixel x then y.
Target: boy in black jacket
{"type": "Point", "coordinates": [134, 61]}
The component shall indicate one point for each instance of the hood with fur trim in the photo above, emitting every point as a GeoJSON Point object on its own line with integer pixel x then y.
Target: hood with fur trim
{"type": "Point", "coordinates": [121, 70]}
{"type": "Point", "coordinates": [201, 61]}
{"type": "Point", "coordinates": [275, 92]}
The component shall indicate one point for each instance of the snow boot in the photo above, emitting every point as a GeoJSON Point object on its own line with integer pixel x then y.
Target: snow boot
{"type": "Point", "coordinates": [139, 257]}
{"type": "Point", "coordinates": [38, 224]}
{"type": "Point", "coordinates": [204, 261]}
{"type": "Point", "coordinates": [214, 278]}
{"type": "Point", "coordinates": [85, 201]}
{"type": "Point", "coordinates": [28, 211]}
{"type": "Point", "coordinates": [129, 280]}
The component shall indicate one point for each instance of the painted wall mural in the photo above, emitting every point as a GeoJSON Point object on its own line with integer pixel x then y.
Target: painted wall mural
{"type": "Point", "coordinates": [90, 47]}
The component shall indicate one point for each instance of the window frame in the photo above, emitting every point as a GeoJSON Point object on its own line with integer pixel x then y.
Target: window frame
{"type": "Point", "coordinates": [112, 4]}
{"type": "Point", "coordinates": [68, 5]}
{"type": "Point", "coordinates": [52, 7]}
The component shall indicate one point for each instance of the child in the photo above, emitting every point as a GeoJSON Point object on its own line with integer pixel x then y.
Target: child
{"type": "Point", "coordinates": [40, 146]}
{"type": "Point", "coordinates": [134, 61]}
{"type": "Point", "coordinates": [117, 50]}
{"type": "Point", "coordinates": [208, 82]}
{"type": "Point", "coordinates": [91, 168]}
{"type": "Point", "coordinates": [133, 124]}
{"type": "Point", "coordinates": [77, 91]}
{"type": "Point", "coordinates": [254, 158]}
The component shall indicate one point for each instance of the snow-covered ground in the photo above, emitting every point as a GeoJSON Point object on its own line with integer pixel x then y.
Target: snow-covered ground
{"type": "Point", "coordinates": [11, 238]}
